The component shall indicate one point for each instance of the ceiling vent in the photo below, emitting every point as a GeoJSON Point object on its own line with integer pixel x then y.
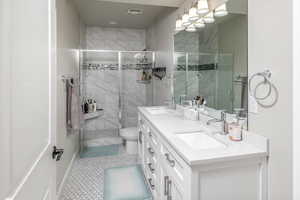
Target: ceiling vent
{"type": "Point", "coordinates": [135, 11]}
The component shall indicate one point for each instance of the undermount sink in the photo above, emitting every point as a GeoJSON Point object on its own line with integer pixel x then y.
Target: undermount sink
{"type": "Point", "coordinates": [157, 110]}
{"type": "Point", "coordinates": [199, 141]}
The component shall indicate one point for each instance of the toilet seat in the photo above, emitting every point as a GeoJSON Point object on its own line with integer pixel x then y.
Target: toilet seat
{"type": "Point", "coordinates": [130, 133]}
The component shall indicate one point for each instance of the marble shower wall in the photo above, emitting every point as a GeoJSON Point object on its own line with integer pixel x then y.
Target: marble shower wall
{"type": "Point", "coordinates": [119, 39]}
{"type": "Point", "coordinates": [103, 85]}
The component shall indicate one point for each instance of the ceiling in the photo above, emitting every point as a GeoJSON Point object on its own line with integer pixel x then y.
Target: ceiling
{"type": "Point", "coordinates": [104, 13]}
{"type": "Point", "coordinates": [114, 13]}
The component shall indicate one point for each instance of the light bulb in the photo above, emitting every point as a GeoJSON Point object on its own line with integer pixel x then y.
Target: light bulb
{"type": "Point", "coordinates": [193, 15]}
{"type": "Point", "coordinates": [200, 24]}
{"type": "Point", "coordinates": [185, 20]}
{"type": "Point", "coordinates": [209, 18]}
{"type": "Point", "coordinates": [221, 10]}
{"type": "Point", "coordinates": [203, 7]}
{"type": "Point", "coordinates": [191, 28]}
{"type": "Point", "coordinates": [179, 26]}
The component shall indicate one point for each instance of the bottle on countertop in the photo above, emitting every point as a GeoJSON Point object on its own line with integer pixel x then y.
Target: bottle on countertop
{"type": "Point", "coordinates": [94, 105]}
{"type": "Point", "coordinates": [85, 106]}
{"type": "Point", "coordinates": [235, 130]}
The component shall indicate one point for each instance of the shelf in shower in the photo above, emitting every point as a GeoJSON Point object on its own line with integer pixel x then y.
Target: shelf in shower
{"type": "Point", "coordinates": [93, 115]}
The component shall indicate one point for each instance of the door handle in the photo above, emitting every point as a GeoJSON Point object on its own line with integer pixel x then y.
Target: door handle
{"type": "Point", "coordinates": [57, 153]}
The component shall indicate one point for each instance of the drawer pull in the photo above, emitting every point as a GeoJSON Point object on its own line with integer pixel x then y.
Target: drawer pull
{"type": "Point", "coordinates": [151, 151]}
{"type": "Point", "coordinates": [150, 133]}
{"type": "Point", "coordinates": [166, 186]}
{"type": "Point", "coordinates": [151, 168]}
{"type": "Point", "coordinates": [169, 190]}
{"type": "Point", "coordinates": [140, 137]}
{"type": "Point", "coordinates": [171, 162]}
{"type": "Point", "coordinates": [151, 184]}
{"type": "Point", "coordinates": [141, 122]}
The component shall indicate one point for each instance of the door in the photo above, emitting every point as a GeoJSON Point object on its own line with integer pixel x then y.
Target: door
{"type": "Point", "coordinates": [27, 88]}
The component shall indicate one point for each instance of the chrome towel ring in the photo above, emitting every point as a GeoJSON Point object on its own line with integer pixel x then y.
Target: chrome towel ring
{"type": "Point", "coordinates": [266, 75]}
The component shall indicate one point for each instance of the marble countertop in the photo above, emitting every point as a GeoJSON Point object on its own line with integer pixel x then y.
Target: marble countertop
{"type": "Point", "coordinates": [252, 146]}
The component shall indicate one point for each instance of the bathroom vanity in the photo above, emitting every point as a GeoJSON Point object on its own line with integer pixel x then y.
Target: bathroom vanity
{"type": "Point", "coordinates": [187, 160]}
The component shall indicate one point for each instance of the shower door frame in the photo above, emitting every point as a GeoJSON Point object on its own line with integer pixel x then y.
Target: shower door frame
{"type": "Point", "coordinates": [120, 64]}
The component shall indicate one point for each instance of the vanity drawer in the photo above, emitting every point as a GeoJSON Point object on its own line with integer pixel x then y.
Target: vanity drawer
{"type": "Point", "coordinates": [151, 151]}
{"type": "Point", "coordinates": [173, 163]}
{"type": "Point", "coordinates": [152, 181]}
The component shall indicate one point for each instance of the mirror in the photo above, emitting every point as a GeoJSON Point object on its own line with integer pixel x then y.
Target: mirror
{"type": "Point", "coordinates": [212, 62]}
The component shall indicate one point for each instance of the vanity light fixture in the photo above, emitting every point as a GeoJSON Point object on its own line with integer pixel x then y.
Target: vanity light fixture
{"type": "Point", "coordinates": [113, 23]}
{"type": "Point", "coordinates": [135, 11]}
{"type": "Point", "coordinates": [185, 20]}
{"type": "Point", "coordinates": [193, 14]}
{"type": "Point", "coordinates": [203, 7]}
{"type": "Point", "coordinates": [191, 28]}
{"type": "Point", "coordinates": [221, 11]}
{"type": "Point", "coordinates": [179, 26]}
{"type": "Point", "coordinates": [199, 15]}
{"type": "Point", "coordinates": [209, 18]}
{"type": "Point", "coordinates": [200, 23]}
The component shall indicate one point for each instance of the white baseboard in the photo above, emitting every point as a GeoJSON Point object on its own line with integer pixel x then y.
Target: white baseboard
{"type": "Point", "coordinates": [62, 184]}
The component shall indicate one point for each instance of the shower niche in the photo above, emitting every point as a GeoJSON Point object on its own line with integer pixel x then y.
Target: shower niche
{"type": "Point", "coordinates": [116, 83]}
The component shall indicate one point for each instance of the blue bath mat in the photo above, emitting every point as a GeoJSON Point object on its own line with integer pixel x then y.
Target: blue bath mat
{"type": "Point", "coordinates": [125, 183]}
{"type": "Point", "coordinates": [96, 151]}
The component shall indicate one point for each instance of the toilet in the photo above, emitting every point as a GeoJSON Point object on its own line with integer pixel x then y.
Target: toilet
{"type": "Point", "coordinates": [130, 135]}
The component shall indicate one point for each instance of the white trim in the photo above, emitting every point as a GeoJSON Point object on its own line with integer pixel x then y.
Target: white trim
{"type": "Point", "coordinates": [296, 100]}
{"type": "Point", "coordinates": [66, 175]}
{"type": "Point", "coordinates": [15, 193]}
{"type": "Point", "coordinates": [46, 196]}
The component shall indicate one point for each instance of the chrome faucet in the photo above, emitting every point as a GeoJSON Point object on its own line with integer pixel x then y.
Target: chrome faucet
{"type": "Point", "coordinates": [181, 99]}
{"type": "Point", "coordinates": [223, 120]}
{"type": "Point", "coordinates": [171, 103]}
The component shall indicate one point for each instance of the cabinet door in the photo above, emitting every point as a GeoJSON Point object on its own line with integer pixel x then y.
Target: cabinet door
{"type": "Point", "coordinates": [170, 190]}
{"type": "Point", "coordinates": [164, 180]}
{"type": "Point", "coordinates": [174, 190]}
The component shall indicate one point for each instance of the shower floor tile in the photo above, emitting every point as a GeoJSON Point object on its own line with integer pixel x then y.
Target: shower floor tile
{"type": "Point", "coordinates": [86, 179]}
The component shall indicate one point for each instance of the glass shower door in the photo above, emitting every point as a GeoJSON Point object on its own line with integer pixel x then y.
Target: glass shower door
{"type": "Point", "coordinates": [136, 85]}
{"type": "Point", "coordinates": [100, 82]}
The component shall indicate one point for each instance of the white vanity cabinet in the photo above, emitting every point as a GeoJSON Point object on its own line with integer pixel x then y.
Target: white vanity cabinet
{"type": "Point", "coordinates": [171, 177]}
{"type": "Point", "coordinates": [161, 170]}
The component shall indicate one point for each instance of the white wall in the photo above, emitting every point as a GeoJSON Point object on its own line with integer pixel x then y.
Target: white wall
{"type": "Point", "coordinates": [68, 42]}
{"type": "Point", "coordinates": [270, 46]}
{"type": "Point", "coordinates": [296, 100]}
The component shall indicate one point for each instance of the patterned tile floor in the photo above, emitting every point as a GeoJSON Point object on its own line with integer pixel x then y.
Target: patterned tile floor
{"type": "Point", "coordinates": [86, 179]}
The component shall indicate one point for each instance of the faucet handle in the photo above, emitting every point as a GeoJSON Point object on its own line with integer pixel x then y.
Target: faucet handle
{"type": "Point", "coordinates": [223, 115]}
